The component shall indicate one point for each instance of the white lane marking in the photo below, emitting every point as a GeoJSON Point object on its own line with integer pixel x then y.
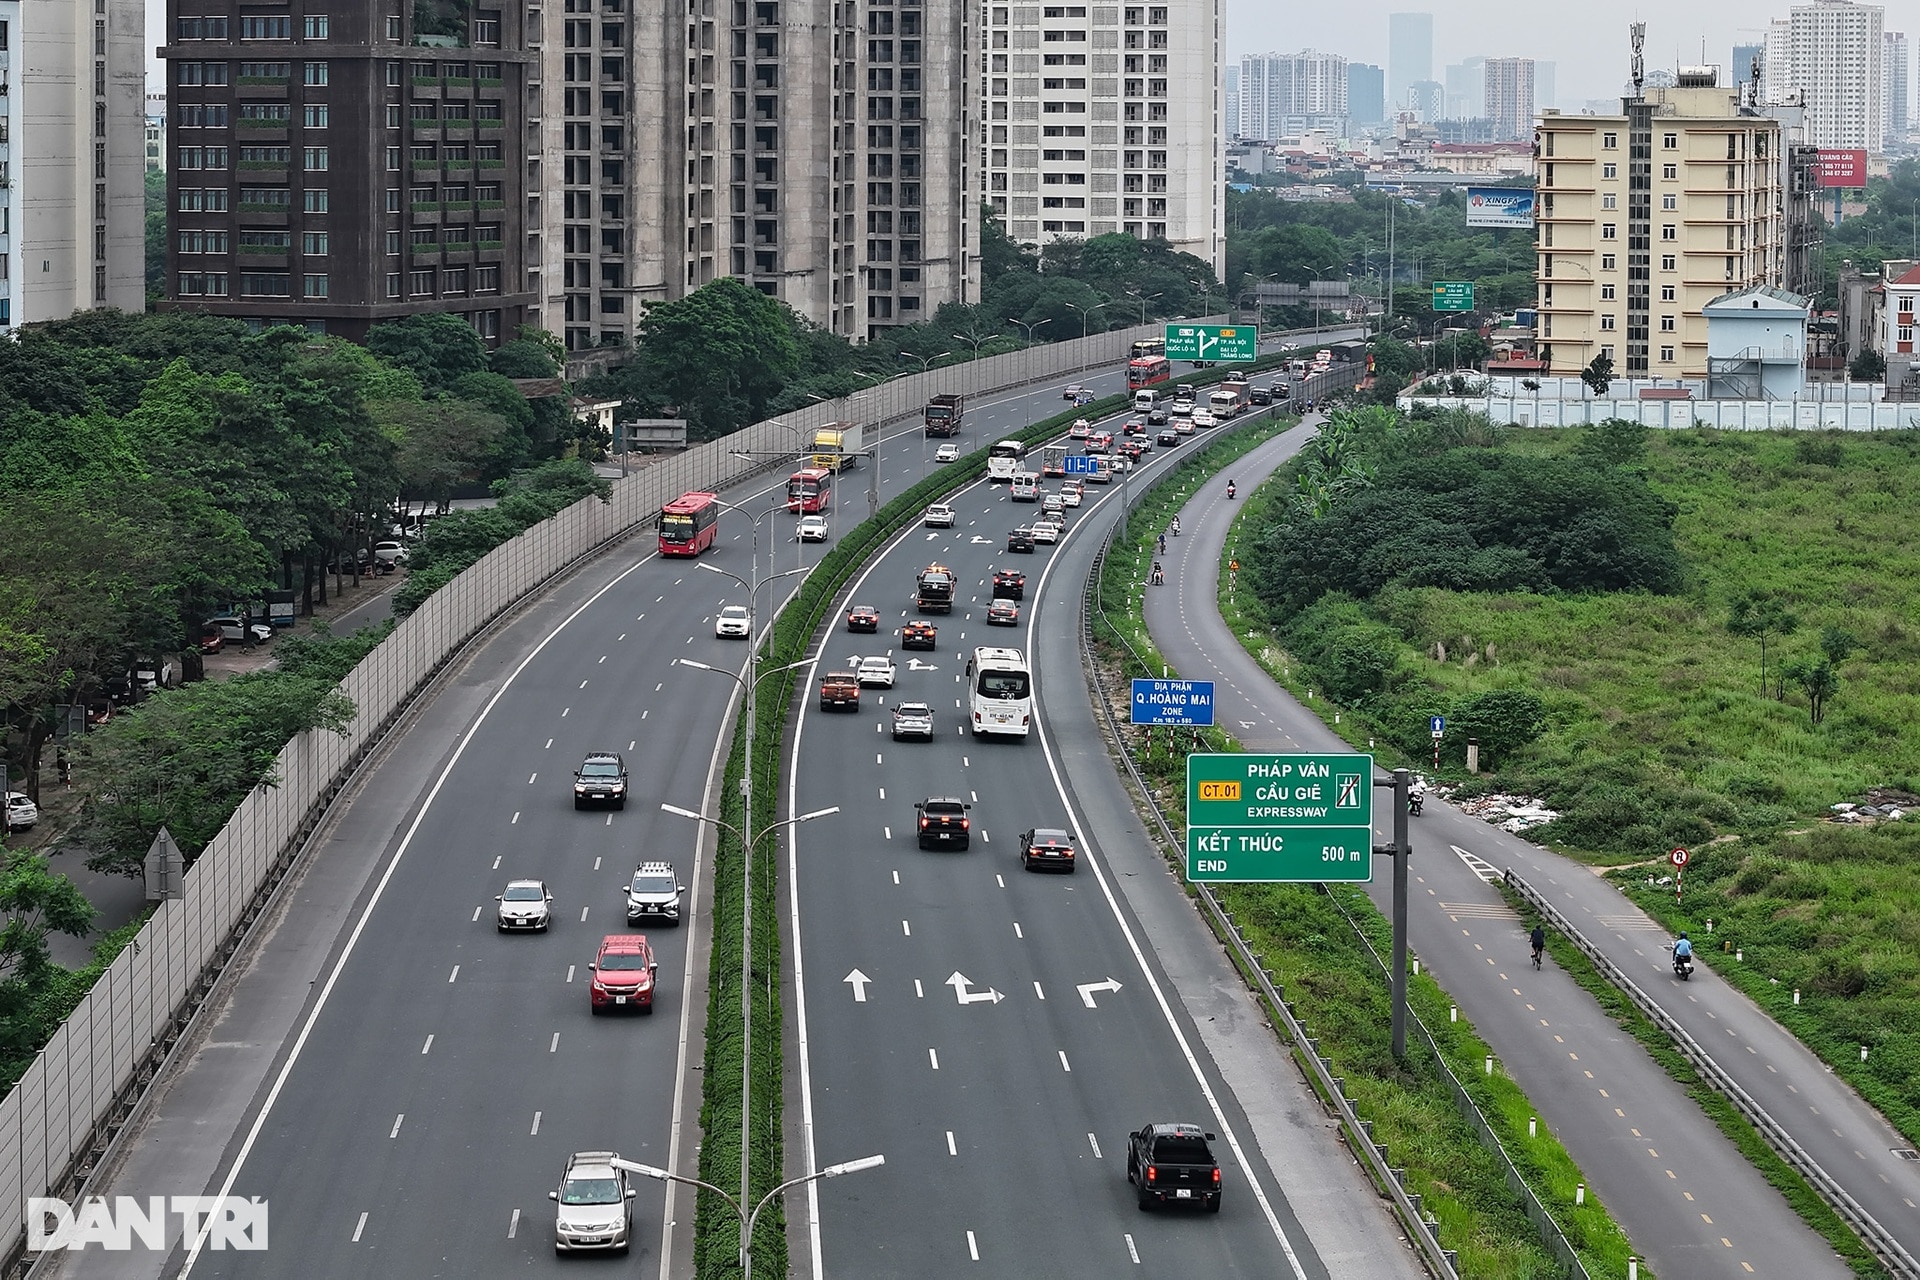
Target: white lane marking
{"type": "Point", "coordinates": [565, 712]}
{"type": "Point", "coordinates": [999, 880]}
{"type": "Point", "coordinates": [1064, 1064]}
{"type": "Point", "coordinates": [583, 915]}
{"type": "Point", "coordinates": [1086, 990]}
{"type": "Point", "coordinates": [553, 1045]}
{"type": "Point", "coordinates": [603, 657]}
{"type": "Point", "coordinates": [396, 1124]}
{"type": "Point", "coordinates": [496, 857]}
{"type": "Point", "coordinates": [596, 861]}
{"type": "Point", "coordinates": [919, 991]}
{"type": "Point", "coordinates": [428, 1045]}
{"type": "Point", "coordinates": [1131, 1251]}
{"type": "Point", "coordinates": [536, 1124]}
{"type": "Point", "coordinates": [531, 777]}
{"type": "Point", "coordinates": [643, 714]}
{"type": "Point", "coordinates": [358, 1227]}
{"type": "Point", "coordinates": [1094, 1142]}
{"type": "Point", "coordinates": [906, 930]}
{"type": "Point", "coordinates": [550, 740]}
{"type": "Point", "coordinates": [1016, 930]}
{"type": "Point", "coordinates": [858, 981]}
{"type": "Point", "coordinates": [933, 1056]}
{"type": "Point", "coordinates": [896, 875]}
{"type": "Point", "coordinates": [454, 974]}
{"type": "Point", "coordinates": [1037, 992]}
{"type": "Point", "coordinates": [570, 969]}
{"type": "Point", "coordinates": [889, 833]}
{"type": "Point", "coordinates": [476, 913]}
{"type": "Point", "coordinates": [973, 1247]}
{"type": "Point", "coordinates": [583, 684]}
{"type": "Point", "coordinates": [366, 914]}
{"type": "Point", "coordinates": [513, 1225]}
{"type": "Point", "coordinates": [950, 1147]}
{"type": "Point", "coordinates": [883, 793]}
{"type": "Point", "coordinates": [515, 822]}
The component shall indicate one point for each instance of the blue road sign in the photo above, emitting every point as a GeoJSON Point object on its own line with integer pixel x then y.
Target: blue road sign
{"type": "Point", "coordinates": [1181, 702]}
{"type": "Point", "coordinates": [1438, 724]}
{"type": "Point", "coordinates": [1080, 464]}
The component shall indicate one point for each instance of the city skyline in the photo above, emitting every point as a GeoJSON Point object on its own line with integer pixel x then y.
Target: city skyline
{"type": "Point", "coordinates": [1588, 44]}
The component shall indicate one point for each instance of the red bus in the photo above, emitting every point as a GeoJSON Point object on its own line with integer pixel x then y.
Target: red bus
{"type": "Point", "coordinates": [810, 491]}
{"type": "Point", "coordinates": [688, 523]}
{"type": "Point", "coordinates": [1148, 370]}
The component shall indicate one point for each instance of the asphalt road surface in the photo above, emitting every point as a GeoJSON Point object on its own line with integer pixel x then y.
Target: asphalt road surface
{"type": "Point", "coordinates": [1691, 1204]}
{"type": "Point", "coordinates": [996, 1033]}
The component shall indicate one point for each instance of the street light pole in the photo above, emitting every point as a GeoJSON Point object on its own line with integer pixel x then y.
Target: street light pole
{"type": "Point", "coordinates": [747, 1220]}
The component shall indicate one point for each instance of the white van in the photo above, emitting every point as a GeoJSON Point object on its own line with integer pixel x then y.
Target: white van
{"type": "Point", "coordinates": [1026, 487]}
{"type": "Point", "coordinates": [1145, 400]}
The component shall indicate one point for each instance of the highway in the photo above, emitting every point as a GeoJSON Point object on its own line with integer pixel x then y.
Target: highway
{"type": "Point", "coordinates": [996, 1033]}
{"type": "Point", "coordinates": [1691, 1204]}
{"type": "Point", "coordinates": [399, 1081]}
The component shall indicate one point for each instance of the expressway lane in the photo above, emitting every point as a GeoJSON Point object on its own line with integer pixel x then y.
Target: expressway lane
{"type": "Point", "coordinates": [1689, 1201]}
{"type": "Point", "coordinates": [939, 1016]}
{"type": "Point", "coordinates": [399, 1082]}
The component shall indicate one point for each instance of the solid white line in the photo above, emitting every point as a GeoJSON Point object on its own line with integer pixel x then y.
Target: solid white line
{"type": "Point", "coordinates": [358, 1227]}
{"type": "Point", "coordinates": [950, 1147]}
{"type": "Point", "coordinates": [973, 1247]}
{"type": "Point", "coordinates": [366, 914]}
{"type": "Point", "coordinates": [396, 1124]}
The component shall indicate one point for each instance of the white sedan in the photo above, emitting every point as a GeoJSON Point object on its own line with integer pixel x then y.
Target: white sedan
{"type": "Point", "coordinates": [734, 623]}
{"type": "Point", "coordinates": [940, 516]}
{"type": "Point", "coordinates": [1070, 493]}
{"type": "Point", "coordinates": [1080, 429]}
{"type": "Point", "coordinates": [875, 672]}
{"type": "Point", "coordinates": [1046, 531]}
{"type": "Point", "coordinates": [813, 528]}
{"type": "Point", "coordinates": [1204, 418]}
{"type": "Point", "coordinates": [948, 452]}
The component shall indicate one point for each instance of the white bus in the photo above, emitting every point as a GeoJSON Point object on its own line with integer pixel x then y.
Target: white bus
{"type": "Point", "coordinates": [1003, 460]}
{"type": "Point", "coordinates": [1000, 692]}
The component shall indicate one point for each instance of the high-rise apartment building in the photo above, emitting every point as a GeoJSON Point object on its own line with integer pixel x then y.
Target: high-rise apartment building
{"type": "Point", "coordinates": [1466, 88]}
{"type": "Point", "coordinates": [1899, 62]}
{"type": "Point", "coordinates": [1366, 93]}
{"type": "Point", "coordinates": [1409, 56]}
{"type": "Point", "coordinates": [1426, 99]}
{"type": "Point", "coordinates": [1831, 55]}
{"type": "Point", "coordinates": [1509, 97]}
{"type": "Point", "coordinates": [1283, 94]}
{"type": "Point", "coordinates": [1646, 216]}
{"type": "Point", "coordinates": [1097, 119]}
{"type": "Point", "coordinates": [1231, 77]}
{"type": "Point", "coordinates": [72, 159]}
{"type": "Point", "coordinates": [1545, 88]}
{"type": "Point", "coordinates": [336, 163]}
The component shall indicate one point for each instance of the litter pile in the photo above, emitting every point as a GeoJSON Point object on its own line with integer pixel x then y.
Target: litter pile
{"type": "Point", "coordinates": [1881, 804]}
{"type": "Point", "coordinates": [1510, 813]}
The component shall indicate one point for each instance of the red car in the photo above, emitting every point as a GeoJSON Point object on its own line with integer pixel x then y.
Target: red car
{"type": "Point", "coordinates": [863, 617]}
{"type": "Point", "coordinates": [211, 640]}
{"type": "Point", "coordinates": [918, 635]}
{"type": "Point", "coordinates": [1003, 613]}
{"type": "Point", "coordinates": [623, 973]}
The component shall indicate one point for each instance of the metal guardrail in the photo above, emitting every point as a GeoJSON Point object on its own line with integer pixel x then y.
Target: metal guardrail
{"type": "Point", "coordinates": [1892, 1254]}
{"type": "Point", "coordinates": [1359, 1132]}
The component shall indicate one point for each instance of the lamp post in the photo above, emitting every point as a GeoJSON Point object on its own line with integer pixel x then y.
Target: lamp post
{"type": "Point", "coordinates": [926, 362]}
{"type": "Point", "coordinates": [747, 1220]}
{"type": "Point", "coordinates": [1086, 314]}
{"type": "Point", "coordinates": [1143, 301]}
{"type": "Point", "coordinates": [1028, 331]}
{"type": "Point", "coordinates": [978, 340]}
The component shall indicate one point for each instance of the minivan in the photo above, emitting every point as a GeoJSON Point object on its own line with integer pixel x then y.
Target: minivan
{"type": "Point", "coordinates": [1026, 487]}
{"type": "Point", "coordinates": [1145, 401]}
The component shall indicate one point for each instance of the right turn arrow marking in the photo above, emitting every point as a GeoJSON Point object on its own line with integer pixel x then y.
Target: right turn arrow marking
{"type": "Point", "coordinates": [1086, 990]}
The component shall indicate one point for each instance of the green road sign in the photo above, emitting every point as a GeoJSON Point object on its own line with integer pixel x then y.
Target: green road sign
{"type": "Point", "coordinates": [1279, 817]}
{"type": "Point", "coordinates": [1453, 295]}
{"type": "Point", "coordinates": [1228, 342]}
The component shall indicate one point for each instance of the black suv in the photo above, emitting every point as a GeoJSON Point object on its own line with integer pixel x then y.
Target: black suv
{"type": "Point", "coordinates": [1009, 584]}
{"type": "Point", "coordinates": [942, 822]}
{"type": "Point", "coordinates": [601, 779]}
{"type": "Point", "coordinates": [1021, 539]}
{"type": "Point", "coordinates": [1172, 1164]}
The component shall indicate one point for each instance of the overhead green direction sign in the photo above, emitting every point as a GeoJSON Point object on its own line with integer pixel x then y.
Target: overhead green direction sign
{"type": "Point", "coordinates": [1279, 818]}
{"type": "Point", "coordinates": [1223, 342]}
{"type": "Point", "coordinates": [1453, 295]}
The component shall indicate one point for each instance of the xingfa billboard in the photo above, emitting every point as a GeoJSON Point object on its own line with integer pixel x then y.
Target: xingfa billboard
{"type": "Point", "coordinates": [1510, 207]}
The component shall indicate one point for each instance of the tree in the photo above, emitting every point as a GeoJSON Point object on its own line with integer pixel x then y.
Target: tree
{"type": "Point", "coordinates": [436, 347]}
{"type": "Point", "coordinates": [523, 358]}
{"type": "Point", "coordinates": [1598, 375]}
{"type": "Point", "coordinates": [1817, 679]}
{"type": "Point", "coordinates": [442, 443]}
{"type": "Point", "coordinates": [1001, 254]}
{"type": "Point", "coordinates": [1501, 720]}
{"type": "Point", "coordinates": [1838, 644]}
{"type": "Point", "coordinates": [34, 901]}
{"type": "Point", "coordinates": [718, 355]}
{"type": "Point", "coordinates": [1868, 366]}
{"type": "Point", "coordinates": [1755, 617]}
{"type": "Point", "coordinates": [156, 207]}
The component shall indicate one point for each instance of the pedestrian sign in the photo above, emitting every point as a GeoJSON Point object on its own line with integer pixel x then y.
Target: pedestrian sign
{"type": "Point", "coordinates": [1279, 818]}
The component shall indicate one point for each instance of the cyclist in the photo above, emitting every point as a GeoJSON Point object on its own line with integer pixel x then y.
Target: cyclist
{"type": "Point", "coordinates": [1539, 940]}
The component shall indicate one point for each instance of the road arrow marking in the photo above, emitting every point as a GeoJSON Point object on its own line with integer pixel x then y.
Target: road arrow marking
{"type": "Point", "coordinates": [858, 981]}
{"type": "Point", "coordinates": [1086, 990]}
{"type": "Point", "coordinates": [979, 541]}
{"type": "Point", "coordinates": [960, 983]}
{"type": "Point", "coordinates": [914, 664]}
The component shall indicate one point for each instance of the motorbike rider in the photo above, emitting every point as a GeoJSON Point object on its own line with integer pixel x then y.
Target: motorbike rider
{"type": "Point", "coordinates": [1230, 488]}
{"type": "Point", "coordinates": [1163, 544]}
{"type": "Point", "coordinates": [1683, 950]}
{"type": "Point", "coordinates": [1158, 577]}
{"type": "Point", "coordinates": [1174, 528]}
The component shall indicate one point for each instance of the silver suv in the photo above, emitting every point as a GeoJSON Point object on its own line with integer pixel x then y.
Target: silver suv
{"type": "Point", "coordinates": [654, 893]}
{"type": "Point", "coordinates": [592, 1200]}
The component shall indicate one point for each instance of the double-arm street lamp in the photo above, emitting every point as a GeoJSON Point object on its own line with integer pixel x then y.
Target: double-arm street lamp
{"type": "Point", "coordinates": [1086, 314]}
{"type": "Point", "coordinates": [1143, 302]}
{"type": "Point", "coordinates": [926, 362]}
{"type": "Point", "coordinates": [739, 1207]}
{"type": "Point", "coordinates": [1027, 331]}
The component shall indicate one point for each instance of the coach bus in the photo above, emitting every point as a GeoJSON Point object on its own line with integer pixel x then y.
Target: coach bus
{"type": "Point", "coordinates": [810, 491]}
{"type": "Point", "coordinates": [1148, 347]}
{"type": "Point", "coordinates": [688, 523]}
{"type": "Point", "coordinates": [1145, 371]}
{"type": "Point", "coordinates": [1000, 692]}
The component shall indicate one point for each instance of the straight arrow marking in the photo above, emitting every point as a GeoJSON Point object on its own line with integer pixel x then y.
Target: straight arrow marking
{"type": "Point", "coordinates": [959, 983]}
{"type": "Point", "coordinates": [1086, 990]}
{"type": "Point", "coordinates": [858, 981]}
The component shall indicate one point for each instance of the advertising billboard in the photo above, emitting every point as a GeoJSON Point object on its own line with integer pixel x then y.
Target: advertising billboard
{"type": "Point", "coordinates": [1510, 207]}
{"type": "Point", "coordinates": [1842, 167]}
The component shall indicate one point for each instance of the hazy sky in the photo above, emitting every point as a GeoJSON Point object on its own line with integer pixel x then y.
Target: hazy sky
{"type": "Point", "coordinates": [1587, 42]}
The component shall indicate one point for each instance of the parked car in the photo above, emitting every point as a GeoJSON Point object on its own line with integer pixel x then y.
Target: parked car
{"type": "Point", "coordinates": [22, 812]}
{"type": "Point", "coordinates": [236, 630]}
{"type": "Point", "coordinates": [390, 552]}
{"type": "Point", "coordinates": [733, 623]}
{"type": "Point", "coordinates": [210, 638]}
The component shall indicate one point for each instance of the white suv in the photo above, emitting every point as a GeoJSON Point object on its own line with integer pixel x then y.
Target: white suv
{"type": "Point", "coordinates": [940, 516]}
{"type": "Point", "coordinates": [734, 622]}
{"type": "Point", "coordinates": [654, 893]}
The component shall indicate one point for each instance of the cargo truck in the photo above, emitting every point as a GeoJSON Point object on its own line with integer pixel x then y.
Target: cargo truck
{"type": "Point", "coordinates": [1053, 460]}
{"type": "Point", "coordinates": [836, 445]}
{"type": "Point", "coordinates": [943, 415]}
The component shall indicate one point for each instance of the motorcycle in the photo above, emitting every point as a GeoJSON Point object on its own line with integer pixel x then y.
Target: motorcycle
{"type": "Point", "coordinates": [1174, 528]}
{"type": "Point", "coordinates": [1230, 489]}
{"type": "Point", "coordinates": [1682, 966]}
{"type": "Point", "coordinates": [1414, 801]}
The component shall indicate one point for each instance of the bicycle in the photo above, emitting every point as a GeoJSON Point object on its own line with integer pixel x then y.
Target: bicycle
{"type": "Point", "coordinates": [1539, 939]}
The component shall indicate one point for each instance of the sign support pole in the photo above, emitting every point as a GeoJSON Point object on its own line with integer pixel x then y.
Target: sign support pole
{"type": "Point", "coordinates": [1402, 851]}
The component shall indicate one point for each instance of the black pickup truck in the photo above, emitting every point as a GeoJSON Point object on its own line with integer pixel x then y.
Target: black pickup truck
{"type": "Point", "coordinates": [1172, 1164]}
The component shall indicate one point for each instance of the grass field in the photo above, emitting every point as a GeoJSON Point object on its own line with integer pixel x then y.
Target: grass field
{"type": "Point", "coordinates": [1659, 731]}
